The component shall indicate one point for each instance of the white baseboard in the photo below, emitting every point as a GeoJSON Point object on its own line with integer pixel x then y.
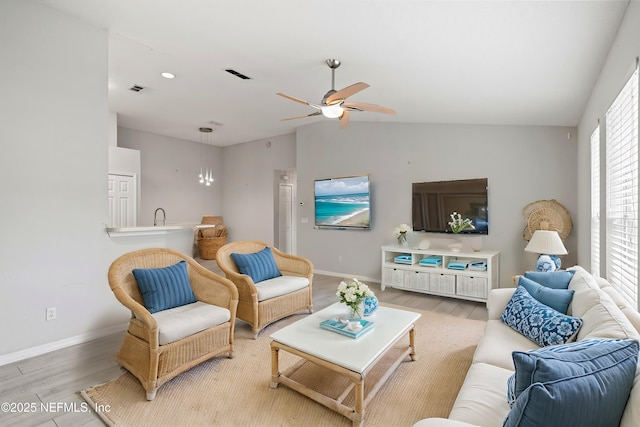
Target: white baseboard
{"type": "Point", "coordinates": [5, 359]}
{"type": "Point", "coordinates": [347, 276]}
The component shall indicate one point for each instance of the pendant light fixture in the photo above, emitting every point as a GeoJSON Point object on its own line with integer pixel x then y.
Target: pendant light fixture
{"type": "Point", "coordinates": [206, 174]}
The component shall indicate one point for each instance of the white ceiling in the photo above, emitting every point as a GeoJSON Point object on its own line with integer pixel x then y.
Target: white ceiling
{"type": "Point", "coordinates": [473, 62]}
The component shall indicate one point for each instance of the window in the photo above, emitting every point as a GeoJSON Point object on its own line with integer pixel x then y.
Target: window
{"type": "Point", "coordinates": [595, 202]}
{"type": "Point", "coordinates": [621, 130]}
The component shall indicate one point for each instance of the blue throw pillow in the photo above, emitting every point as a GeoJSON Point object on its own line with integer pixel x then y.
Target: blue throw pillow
{"type": "Point", "coordinates": [525, 362]}
{"type": "Point", "coordinates": [587, 388]}
{"type": "Point", "coordinates": [551, 279]}
{"type": "Point", "coordinates": [558, 299]}
{"type": "Point", "coordinates": [538, 322]}
{"type": "Point", "coordinates": [164, 288]}
{"type": "Point", "coordinates": [259, 265]}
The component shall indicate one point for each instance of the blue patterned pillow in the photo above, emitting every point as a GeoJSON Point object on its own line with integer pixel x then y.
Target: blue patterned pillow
{"type": "Point", "coordinates": [551, 279]}
{"type": "Point", "coordinates": [558, 299]}
{"type": "Point", "coordinates": [258, 265]}
{"type": "Point", "coordinates": [524, 373]}
{"type": "Point", "coordinates": [538, 322]}
{"type": "Point", "coordinates": [587, 387]}
{"type": "Point", "coordinates": [164, 288]}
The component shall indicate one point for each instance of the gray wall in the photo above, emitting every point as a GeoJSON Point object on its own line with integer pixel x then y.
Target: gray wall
{"type": "Point", "coordinates": [523, 164]}
{"type": "Point", "coordinates": [55, 130]}
{"type": "Point", "coordinates": [248, 189]}
{"type": "Point", "coordinates": [53, 170]}
{"type": "Point", "coordinates": [615, 72]}
{"type": "Point", "coordinates": [169, 177]}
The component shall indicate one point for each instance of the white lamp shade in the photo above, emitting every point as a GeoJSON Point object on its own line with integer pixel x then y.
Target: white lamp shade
{"type": "Point", "coordinates": [546, 242]}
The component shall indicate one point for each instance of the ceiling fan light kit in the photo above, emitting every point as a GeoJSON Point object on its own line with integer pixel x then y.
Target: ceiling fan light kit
{"type": "Point", "coordinates": [332, 111]}
{"type": "Point", "coordinates": [333, 105]}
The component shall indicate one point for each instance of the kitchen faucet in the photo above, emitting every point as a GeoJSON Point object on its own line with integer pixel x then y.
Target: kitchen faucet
{"type": "Point", "coordinates": [155, 217]}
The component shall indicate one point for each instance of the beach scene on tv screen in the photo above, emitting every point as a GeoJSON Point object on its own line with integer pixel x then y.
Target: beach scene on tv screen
{"type": "Point", "coordinates": [343, 202]}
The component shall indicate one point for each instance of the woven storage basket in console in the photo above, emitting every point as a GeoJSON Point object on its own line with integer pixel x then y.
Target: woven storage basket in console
{"type": "Point", "coordinates": [211, 239]}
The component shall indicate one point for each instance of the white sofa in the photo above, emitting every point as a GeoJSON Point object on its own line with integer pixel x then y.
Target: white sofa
{"type": "Point", "coordinates": [482, 400]}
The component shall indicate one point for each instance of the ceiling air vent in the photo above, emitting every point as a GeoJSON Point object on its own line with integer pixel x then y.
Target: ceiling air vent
{"type": "Point", "coordinates": [136, 88]}
{"type": "Point", "coordinates": [237, 74]}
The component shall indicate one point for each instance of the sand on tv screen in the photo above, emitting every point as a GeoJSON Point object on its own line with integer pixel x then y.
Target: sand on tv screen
{"type": "Point", "coordinates": [343, 202]}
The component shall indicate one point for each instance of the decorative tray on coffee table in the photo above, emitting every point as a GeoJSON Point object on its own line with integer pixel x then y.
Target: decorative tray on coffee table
{"type": "Point", "coordinates": [339, 327]}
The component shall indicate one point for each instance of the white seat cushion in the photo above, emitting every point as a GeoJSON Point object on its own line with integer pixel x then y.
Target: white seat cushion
{"type": "Point", "coordinates": [606, 320]}
{"type": "Point", "coordinates": [281, 285]}
{"type": "Point", "coordinates": [586, 292]}
{"type": "Point", "coordinates": [482, 400]}
{"type": "Point", "coordinates": [179, 322]}
{"type": "Point", "coordinates": [497, 342]}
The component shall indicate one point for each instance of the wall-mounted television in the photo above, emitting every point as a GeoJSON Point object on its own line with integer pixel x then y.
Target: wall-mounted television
{"type": "Point", "coordinates": [343, 202]}
{"type": "Point", "coordinates": [434, 202]}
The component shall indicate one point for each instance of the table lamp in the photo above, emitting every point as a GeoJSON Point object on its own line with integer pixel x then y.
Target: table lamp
{"type": "Point", "coordinates": [548, 244]}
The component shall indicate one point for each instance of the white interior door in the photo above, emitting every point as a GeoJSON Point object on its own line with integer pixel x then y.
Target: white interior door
{"type": "Point", "coordinates": [122, 200]}
{"type": "Point", "coordinates": [285, 215]}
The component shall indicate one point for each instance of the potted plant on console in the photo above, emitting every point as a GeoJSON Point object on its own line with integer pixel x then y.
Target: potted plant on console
{"type": "Point", "coordinates": [458, 225]}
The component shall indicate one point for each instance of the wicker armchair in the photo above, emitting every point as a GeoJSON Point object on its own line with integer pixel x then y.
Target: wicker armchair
{"type": "Point", "coordinates": [141, 352]}
{"type": "Point", "coordinates": [259, 314]}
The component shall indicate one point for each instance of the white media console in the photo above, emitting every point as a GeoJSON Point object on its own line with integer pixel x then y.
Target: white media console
{"type": "Point", "coordinates": [455, 276]}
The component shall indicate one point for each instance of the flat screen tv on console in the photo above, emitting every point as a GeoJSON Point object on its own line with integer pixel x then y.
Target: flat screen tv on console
{"type": "Point", "coordinates": [434, 202]}
{"type": "Point", "coordinates": [343, 202]}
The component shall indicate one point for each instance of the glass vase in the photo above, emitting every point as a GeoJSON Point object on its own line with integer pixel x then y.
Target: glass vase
{"type": "Point", "coordinates": [355, 311]}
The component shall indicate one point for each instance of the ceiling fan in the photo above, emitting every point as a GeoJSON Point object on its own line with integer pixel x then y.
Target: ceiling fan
{"type": "Point", "coordinates": [334, 103]}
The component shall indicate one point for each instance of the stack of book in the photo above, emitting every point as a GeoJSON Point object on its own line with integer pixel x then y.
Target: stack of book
{"type": "Point", "coordinates": [431, 261]}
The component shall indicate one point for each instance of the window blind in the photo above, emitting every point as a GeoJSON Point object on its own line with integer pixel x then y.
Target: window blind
{"type": "Point", "coordinates": [621, 129]}
{"type": "Point", "coordinates": [595, 202]}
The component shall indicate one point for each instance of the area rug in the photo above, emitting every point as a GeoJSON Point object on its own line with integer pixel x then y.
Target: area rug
{"type": "Point", "coordinates": [236, 392]}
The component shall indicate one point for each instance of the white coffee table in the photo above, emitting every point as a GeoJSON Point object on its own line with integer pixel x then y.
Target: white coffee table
{"type": "Point", "coordinates": [351, 358]}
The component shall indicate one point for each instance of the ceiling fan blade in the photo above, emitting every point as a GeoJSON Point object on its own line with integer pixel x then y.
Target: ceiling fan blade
{"type": "Point", "coordinates": [301, 101]}
{"type": "Point", "coordinates": [344, 119]}
{"type": "Point", "coordinates": [293, 98]}
{"type": "Point", "coordinates": [317, 113]}
{"type": "Point", "coordinates": [361, 106]}
{"type": "Point", "coordinates": [346, 92]}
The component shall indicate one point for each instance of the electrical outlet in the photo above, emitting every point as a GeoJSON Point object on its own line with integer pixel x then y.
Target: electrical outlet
{"type": "Point", "coordinates": [51, 313]}
{"type": "Point", "coordinates": [339, 258]}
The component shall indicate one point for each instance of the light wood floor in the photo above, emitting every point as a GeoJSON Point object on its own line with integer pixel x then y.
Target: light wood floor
{"type": "Point", "coordinates": [55, 379]}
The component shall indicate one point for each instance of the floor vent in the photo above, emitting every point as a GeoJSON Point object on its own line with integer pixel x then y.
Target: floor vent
{"type": "Point", "coordinates": [136, 88]}
{"type": "Point", "coordinates": [237, 74]}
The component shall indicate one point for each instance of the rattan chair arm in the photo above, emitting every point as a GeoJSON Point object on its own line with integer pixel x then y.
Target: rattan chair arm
{"type": "Point", "coordinates": [212, 288]}
{"type": "Point", "coordinates": [244, 284]}
{"type": "Point", "coordinates": [293, 265]}
{"type": "Point", "coordinates": [138, 310]}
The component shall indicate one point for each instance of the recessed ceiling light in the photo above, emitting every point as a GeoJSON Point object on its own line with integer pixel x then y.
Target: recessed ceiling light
{"type": "Point", "coordinates": [168, 75]}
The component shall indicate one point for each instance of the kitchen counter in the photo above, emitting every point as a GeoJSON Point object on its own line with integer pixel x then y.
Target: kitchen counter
{"type": "Point", "coordinates": [154, 230]}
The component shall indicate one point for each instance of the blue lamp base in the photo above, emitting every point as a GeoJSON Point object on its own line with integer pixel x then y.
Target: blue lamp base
{"type": "Point", "coordinates": [548, 263]}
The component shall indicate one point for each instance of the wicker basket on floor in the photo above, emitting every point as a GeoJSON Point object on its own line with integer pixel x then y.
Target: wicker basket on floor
{"type": "Point", "coordinates": [210, 240]}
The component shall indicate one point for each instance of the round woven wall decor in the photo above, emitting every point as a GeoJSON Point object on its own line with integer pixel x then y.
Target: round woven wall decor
{"type": "Point", "coordinates": [546, 215]}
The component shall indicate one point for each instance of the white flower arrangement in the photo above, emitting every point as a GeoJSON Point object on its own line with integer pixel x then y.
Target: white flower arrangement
{"type": "Point", "coordinates": [353, 293]}
{"type": "Point", "coordinates": [400, 233]}
{"type": "Point", "coordinates": [458, 224]}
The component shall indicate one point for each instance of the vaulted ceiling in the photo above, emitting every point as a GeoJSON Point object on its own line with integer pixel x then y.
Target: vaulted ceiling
{"type": "Point", "coordinates": [471, 62]}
